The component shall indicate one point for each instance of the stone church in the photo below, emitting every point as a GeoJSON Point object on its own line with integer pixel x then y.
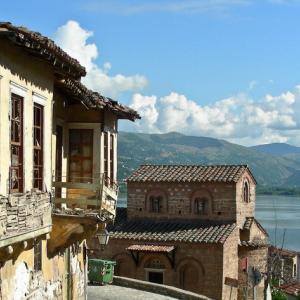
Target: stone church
{"type": "Point", "coordinates": [192, 227]}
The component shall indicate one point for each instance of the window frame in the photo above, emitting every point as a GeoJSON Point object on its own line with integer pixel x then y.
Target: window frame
{"type": "Point", "coordinates": [156, 203]}
{"type": "Point", "coordinates": [15, 96]}
{"type": "Point", "coordinates": [111, 158]}
{"type": "Point", "coordinates": [246, 191]}
{"type": "Point", "coordinates": [39, 167]}
{"type": "Point", "coordinates": [204, 204]}
{"type": "Point", "coordinates": [80, 132]}
{"type": "Point", "coordinates": [105, 158]}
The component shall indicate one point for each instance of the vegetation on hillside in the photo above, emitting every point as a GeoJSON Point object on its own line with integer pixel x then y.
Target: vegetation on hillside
{"type": "Point", "coordinates": [271, 171]}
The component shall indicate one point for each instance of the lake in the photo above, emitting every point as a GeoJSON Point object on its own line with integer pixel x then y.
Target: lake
{"type": "Point", "coordinates": [280, 216]}
{"type": "Point", "coordinates": [285, 212]}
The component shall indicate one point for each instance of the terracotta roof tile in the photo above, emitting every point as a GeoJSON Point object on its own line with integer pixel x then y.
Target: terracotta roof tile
{"type": "Point", "coordinates": [292, 288]}
{"type": "Point", "coordinates": [151, 248]}
{"type": "Point", "coordinates": [95, 100]}
{"type": "Point", "coordinates": [283, 252]}
{"type": "Point", "coordinates": [169, 230]}
{"type": "Point", "coordinates": [43, 47]}
{"type": "Point", "coordinates": [188, 173]}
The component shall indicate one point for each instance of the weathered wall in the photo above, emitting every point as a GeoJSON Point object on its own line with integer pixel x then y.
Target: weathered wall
{"type": "Point", "coordinates": [20, 281]}
{"type": "Point", "coordinates": [179, 200]}
{"type": "Point", "coordinates": [33, 80]}
{"type": "Point", "coordinates": [257, 258]}
{"type": "Point", "coordinates": [205, 261]}
{"type": "Point", "coordinates": [20, 214]}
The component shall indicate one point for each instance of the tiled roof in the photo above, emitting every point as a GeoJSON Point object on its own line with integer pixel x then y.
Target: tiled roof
{"type": "Point", "coordinates": [292, 288]}
{"type": "Point", "coordinates": [283, 252]}
{"type": "Point", "coordinates": [169, 230]}
{"type": "Point", "coordinates": [255, 243]}
{"type": "Point", "coordinates": [248, 224]}
{"type": "Point", "coordinates": [95, 100]}
{"type": "Point", "coordinates": [151, 248]}
{"type": "Point", "coordinates": [42, 47]}
{"type": "Point", "coordinates": [188, 173]}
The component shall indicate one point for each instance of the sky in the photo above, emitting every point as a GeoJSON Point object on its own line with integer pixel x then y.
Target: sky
{"type": "Point", "coordinates": [228, 69]}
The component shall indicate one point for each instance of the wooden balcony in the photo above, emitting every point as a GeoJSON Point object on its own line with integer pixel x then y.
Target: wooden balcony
{"type": "Point", "coordinates": [24, 217]}
{"type": "Point", "coordinates": [85, 196]}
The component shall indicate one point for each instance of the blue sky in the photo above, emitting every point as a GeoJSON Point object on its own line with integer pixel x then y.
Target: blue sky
{"type": "Point", "coordinates": [205, 51]}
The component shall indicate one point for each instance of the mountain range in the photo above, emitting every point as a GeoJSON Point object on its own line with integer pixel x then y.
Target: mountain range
{"type": "Point", "coordinates": [273, 165]}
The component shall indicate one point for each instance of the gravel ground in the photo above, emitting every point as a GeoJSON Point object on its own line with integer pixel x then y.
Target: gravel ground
{"type": "Point", "coordinates": [113, 292]}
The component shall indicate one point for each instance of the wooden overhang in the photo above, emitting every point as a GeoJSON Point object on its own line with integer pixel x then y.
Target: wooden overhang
{"type": "Point", "coordinates": [167, 250]}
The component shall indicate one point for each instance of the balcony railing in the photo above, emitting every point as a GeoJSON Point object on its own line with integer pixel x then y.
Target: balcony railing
{"type": "Point", "coordinates": [24, 217]}
{"type": "Point", "coordinates": [84, 195]}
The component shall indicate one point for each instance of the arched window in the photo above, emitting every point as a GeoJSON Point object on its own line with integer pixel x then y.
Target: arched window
{"type": "Point", "coordinates": [200, 206]}
{"type": "Point", "coordinates": [246, 192]}
{"type": "Point", "coordinates": [156, 203]}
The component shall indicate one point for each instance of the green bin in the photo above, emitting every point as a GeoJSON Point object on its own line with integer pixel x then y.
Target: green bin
{"type": "Point", "coordinates": [101, 271]}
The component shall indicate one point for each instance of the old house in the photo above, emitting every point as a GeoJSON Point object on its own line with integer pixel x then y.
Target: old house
{"type": "Point", "coordinates": [57, 167]}
{"type": "Point", "coordinates": [192, 227]}
{"type": "Point", "coordinates": [291, 290]}
{"type": "Point", "coordinates": [284, 265]}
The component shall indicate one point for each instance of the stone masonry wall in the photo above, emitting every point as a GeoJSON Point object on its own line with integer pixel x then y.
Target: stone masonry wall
{"type": "Point", "coordinates": [257, 258]}
{"type": "Point", "coordinates": [20, 213]}
{"type": "Point", "coordinates": [245, 209]}
{"type": "Point", "coordinates": [178, 200]}
{"type": "Point", "coordinates": [230, 264]}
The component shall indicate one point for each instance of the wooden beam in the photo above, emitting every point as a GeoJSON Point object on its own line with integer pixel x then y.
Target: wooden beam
{"type": "Point", "coordinates": [76, 185]}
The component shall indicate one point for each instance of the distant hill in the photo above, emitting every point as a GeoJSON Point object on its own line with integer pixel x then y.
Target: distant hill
{"type": "Point", "coordinates": [135, 149]}
{"type": "Point", "coordinates": [277, 149]}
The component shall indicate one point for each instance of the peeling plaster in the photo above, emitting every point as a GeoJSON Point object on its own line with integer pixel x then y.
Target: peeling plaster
{"type": "Point", "coordinates": [78, 275]}
{"type": "Point", "coordinates": [21, 281]}
{"type": "Point", "coordinates": [31, 285]}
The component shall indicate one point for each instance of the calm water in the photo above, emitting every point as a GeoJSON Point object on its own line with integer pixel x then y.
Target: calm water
{"type": "Point", "coordinates": [285, 212]}
{"type": "Point", "coordinates": [271, 210]}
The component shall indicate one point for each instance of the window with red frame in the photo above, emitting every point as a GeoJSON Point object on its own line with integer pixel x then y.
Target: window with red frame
{"type": "Point", "coordinates": [38, 146]}
{"type": "Point", "coordinates": [106, 158]}
{"type": "Point", "coordinates": [111, 161]}
{"type": "Point", "coordinates": [16, 144]}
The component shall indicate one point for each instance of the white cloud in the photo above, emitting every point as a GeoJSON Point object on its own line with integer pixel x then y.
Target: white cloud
{"type": "Point", "coordinates": [74, 40]}
{"type": "Point", "coordinates": [238, 119]}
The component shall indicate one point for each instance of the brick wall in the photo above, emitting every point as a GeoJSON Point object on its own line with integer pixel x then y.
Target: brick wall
{"type": "Point", "coordinates": [198, 267]}
{"type": "Point", "coordinates": [230, 264]}
{"type": "Point", "coordinates": [225, 200]}
{"type": "Point", "coordinates": [178, 200]}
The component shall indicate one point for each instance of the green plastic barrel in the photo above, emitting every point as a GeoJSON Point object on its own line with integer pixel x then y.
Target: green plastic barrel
{"type": "Point", "coordinates": [101, 271]}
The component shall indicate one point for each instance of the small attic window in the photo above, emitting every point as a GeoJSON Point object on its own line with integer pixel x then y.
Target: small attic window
{"type": "Point", "coordinates": [246, 192]}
